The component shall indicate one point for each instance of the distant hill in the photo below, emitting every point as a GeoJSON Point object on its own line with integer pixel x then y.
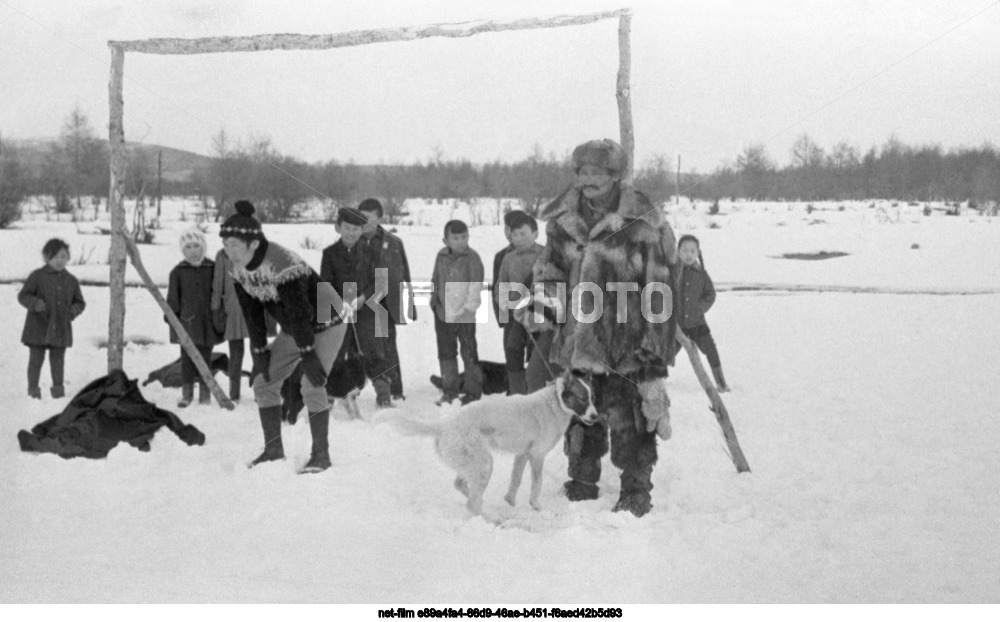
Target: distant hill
{"type": "Point", "coordinates": [178, 165]}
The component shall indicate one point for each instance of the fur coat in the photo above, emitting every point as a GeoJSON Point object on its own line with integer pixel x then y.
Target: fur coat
{"type": "Point", "coordinates": [623, 246]}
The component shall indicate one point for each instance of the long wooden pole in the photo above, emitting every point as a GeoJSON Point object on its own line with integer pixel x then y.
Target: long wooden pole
{"type": "Point", "coordinates": [182, 336]}
{"type": "Point", "coordinates": [721, 414]}
{"type": "Point", "coordinates": [116, 208]}
{"type": "Point", "coordinates": [623, 93]}
{"type": "Point", "coordinates": [260, 43]}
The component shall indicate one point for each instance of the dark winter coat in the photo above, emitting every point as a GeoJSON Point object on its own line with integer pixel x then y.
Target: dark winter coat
{"type": "Point", "coordinates": [633, 247]}
{"type": "Point", "coordinates": [341, 265]}
{"type": "Point", "coordinates": [106, 412]}
{"type": "Point", "coordinates": [280, 283]}
{"type": "Point", "coordinates": [189, 296]}
{"type": "Point", "coordinates": [63, 302]}
{"type": "Point", "coordinates": [494, 290]}
{"type": "Point", "coordinates": [388, 253]}
{"type": "Point", "coordinates": [696, 293]}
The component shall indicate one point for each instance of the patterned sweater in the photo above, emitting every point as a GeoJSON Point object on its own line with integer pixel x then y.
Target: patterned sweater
{"type": "Point", "coordinates": [278, 281]}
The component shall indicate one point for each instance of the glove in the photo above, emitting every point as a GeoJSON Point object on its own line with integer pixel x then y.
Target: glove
{"type": "Point", "coordinates": [312, 368]}
{"type": "Point", "coordinates": [656, 407]}
{"type": "Point", "coordinates": [261, 364]}
{"type": "Point", "coordinates": [39, 306]}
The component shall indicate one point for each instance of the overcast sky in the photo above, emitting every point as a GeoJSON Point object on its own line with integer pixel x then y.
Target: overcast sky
{"type": "Point", "coordinates": [708, 77]}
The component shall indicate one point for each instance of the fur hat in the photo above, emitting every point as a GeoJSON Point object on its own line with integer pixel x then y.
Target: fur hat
{"type": "Point", "coordinates": [605, 153]}
{"type": "Point", "coordinates": [242, 224]}
{"type": "Point", "coordinates": [193, 235]}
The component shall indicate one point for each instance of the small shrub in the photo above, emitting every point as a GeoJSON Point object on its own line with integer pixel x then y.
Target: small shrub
{"type": "Point", "coordinates": [714, 225]}
{"type": "Point", "coordinates": [84, 257]}
{"type": "Point", "coordinates": [714, 209]}
{"type": "Point", "coordinates": [810, 209]}
{"type": "Point", "coordinates": [840, 208]}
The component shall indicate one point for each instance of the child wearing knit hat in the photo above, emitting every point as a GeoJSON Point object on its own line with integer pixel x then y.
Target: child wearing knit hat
{"type": "Point", "coordinates": [189, 296]}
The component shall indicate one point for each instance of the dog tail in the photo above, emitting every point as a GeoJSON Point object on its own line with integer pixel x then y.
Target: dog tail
{"type": "Point", "coordinates": [408, 424]}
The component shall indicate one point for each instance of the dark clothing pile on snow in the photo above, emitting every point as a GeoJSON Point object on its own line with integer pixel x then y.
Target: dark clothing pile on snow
{"type": "Point", "coordinates": [170, 375]}
{"type": "Point", "coordinates": [106, 412]}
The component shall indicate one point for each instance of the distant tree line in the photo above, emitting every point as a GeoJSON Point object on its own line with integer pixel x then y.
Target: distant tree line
{"type": "Point", "coordinates": [74, 170]}
{"type": "Point", "coordinates": [892, 171]}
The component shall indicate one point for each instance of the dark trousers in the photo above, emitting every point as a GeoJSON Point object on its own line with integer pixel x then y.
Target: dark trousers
{"type": "Point", "coordinates": [539, 365]}
{"type": "Point", "coordinates": [702, 337]}
{"type": "Point", "coordinates": [460, 338]}
{"type": "Point", "coordinates": [633, 449]}
{"type": "Point", "coordinates": [516, 346]}
{"type": "Point", "coordinates": [57, 364]}
{"type": "Point", "coordinates": [189, 373]}
{"type": "Point", "coordinates": [236, 349]}
{"type": "Point", "coordinates": [392, 360]}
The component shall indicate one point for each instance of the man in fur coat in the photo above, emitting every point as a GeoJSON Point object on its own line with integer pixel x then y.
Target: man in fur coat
{"type": "Point", "coordinates": [612, 259]}
{"type": "Point", "coordinates": [271, 278]}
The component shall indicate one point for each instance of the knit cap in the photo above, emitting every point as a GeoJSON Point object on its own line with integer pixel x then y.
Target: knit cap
{"type": "Point", "coordinates": [193, 235]}
{"type": "Point", "coordinates": [242, 224]}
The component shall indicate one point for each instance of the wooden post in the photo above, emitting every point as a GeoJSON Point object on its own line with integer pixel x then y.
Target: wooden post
{"type": "Point", "coordinates": [182, 336]}
{"type": "Point", "coordinates": [116, 207]}
{"type": "Point", "coordinates": [721, 414]}
{"type": "Point", "coordinates": [677, 182]}
{"type": "Point", "coordinates": [623, 91]}
{"type": "Point", "coordinates": [159, 181]}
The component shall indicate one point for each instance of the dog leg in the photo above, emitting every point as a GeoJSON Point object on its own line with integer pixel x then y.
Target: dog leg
{"type": "Point", "coordinates": [515, 477]}
{"type": "Point", "coordinates": [536, 479]}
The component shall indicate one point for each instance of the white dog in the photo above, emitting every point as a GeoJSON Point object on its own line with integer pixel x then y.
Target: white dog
{"type": "Point", "coordinates": [528, 426]}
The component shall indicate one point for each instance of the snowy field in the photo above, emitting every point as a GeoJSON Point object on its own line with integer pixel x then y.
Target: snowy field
{"type": "Point", "coordinates": [865, 396]}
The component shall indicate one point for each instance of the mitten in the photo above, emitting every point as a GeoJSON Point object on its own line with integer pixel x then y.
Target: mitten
{"type": "Point", "coordinates": [40, 306]}
{"type": "Point", "coordinates": [656, 407]}
{"type": "Point", "coordinates": [219, 320]}
{"type": "Point", "coordinates": [261, 363]}
{"type": "Point", "coordinates": [312, 367]}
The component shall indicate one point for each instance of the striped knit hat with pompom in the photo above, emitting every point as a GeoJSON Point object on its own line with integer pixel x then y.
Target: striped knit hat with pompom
{"type": "Point", "coordinates": [242, 224]}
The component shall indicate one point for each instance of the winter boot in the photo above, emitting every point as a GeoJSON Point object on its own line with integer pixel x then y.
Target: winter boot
{"type": "Point", "coordinates": [319, 427]}
{"type": "Point", "coordinates": [517, 383]}
{"type": "Point", "coordinates": [636, 484]}
{"type": "Point", "coordinates": [234, 388]}
{"type": "Point", "coordinates": [575, 490]}
{"type": "Point", "coordinates": [449, 381]}
{"type": "Point", "coordinates": [58, 391]}
{"type": "Point", "coordinates": [270, 423]}
{"type": "Point", "coordinates": [35, 392]}
{"type": "Point", "coordinates": [204, 395]}
{"type": "Point", "coordinates": [383, 397]}
{"type": "Point", "coordinates": [187, 396]}
{"type": "Point", "coordinates": [720, 380]}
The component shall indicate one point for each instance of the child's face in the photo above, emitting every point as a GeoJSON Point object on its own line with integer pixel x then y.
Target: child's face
{"type": "Point", "coordinates": [457, 242]}
{"type": "Point", "coordinates": [194, 253]}
{"type": "Point", "coordinates": [58, 261]}
{"type": "Point", "coordinates": [688, 252]}
{"type": "Point", "coordinates": [239, 252]}
{"type": "Point", "coordinates": [349, 234]}
{"type": "Point", "coordinates": [523, 237]}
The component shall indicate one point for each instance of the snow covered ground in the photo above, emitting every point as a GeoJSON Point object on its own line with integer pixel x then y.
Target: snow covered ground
{"type": "Point", "coordinates": [869, 420]}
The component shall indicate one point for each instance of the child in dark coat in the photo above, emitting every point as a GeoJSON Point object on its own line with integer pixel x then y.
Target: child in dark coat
{"type": "Point", "coordinates": [697, 294]}
{"type": "Point", "coordinates": [190, 298]}
{"type": "Point", "coordinates": [53, 299]}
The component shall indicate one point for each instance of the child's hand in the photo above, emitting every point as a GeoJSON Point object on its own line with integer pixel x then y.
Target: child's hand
{"type": "Point", "coordinates": [40, 306]}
